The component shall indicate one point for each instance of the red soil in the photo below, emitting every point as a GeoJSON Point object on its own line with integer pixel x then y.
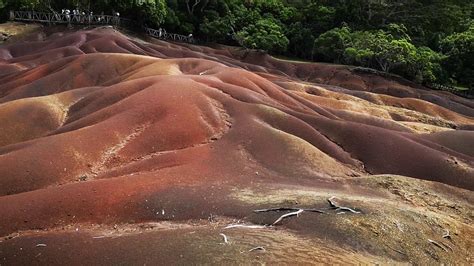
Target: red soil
{"type": "Point", "coordinates": [100, 128]}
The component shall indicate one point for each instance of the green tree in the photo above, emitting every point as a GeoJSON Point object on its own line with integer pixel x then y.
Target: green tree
{"type": "Point", "coordinates": [425, 66]}
{"type": "Point", "coordinates": [24, 4]}
{"type": "Point", "coordinates": [218, 29]}
{"type": "Point", "coordinates": [330, 46]}
{"type": "Point", "coordinates": [459, 61]}
{"type": "Point", "coordinates": [301, 40]}
{"type": "Point", "coordinates": [3, 11]}
{"type": "Point", "coordinates": [151, 13]}
{"type": "Point", "coordinates": [265, 34]}
{"type": "Point", "coordinates": [319, 18]}
{"type": "Point", "coordinates": [389, 52]}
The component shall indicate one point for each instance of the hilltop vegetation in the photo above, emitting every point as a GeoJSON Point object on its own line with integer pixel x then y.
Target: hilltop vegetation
{"type": "Point", "coordinates": [425, 41]}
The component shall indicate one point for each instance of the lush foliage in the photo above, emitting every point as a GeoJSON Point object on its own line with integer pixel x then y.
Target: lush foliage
{"type": "Point", "coordinates": [459, 51]}
{"type": "Point", "coordinates": [390, 50]}
{"type": "Point", "coordinates": [264, 34]}
{"type": "Point", "coordinates": [422, 40]}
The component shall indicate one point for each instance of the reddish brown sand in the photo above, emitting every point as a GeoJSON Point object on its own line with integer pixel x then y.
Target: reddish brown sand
{"type": "Point", "coordinates": [116, 150]}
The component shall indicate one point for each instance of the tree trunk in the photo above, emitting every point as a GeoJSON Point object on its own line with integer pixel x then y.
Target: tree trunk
{"type": "Point", "coordinates": [191, 8]}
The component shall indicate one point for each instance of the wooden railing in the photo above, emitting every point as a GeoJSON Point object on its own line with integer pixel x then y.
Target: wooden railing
{"type": "Point", "coordinates": [56, 18]}
{"type": "Point", "coordinates": [464, 93]}
{"type": "Point", "coordinates": [162, 34]}
{"type": "Point", "coordinates": [469, 93]}
{"type": "Point", "coordinates": [69, 19]}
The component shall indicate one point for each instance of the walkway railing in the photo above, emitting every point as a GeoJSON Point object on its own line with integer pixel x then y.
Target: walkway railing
{"type": "Point", "coordinates": [57, 18]}
{"type": "Point", "coordinates": [468, 93]}
{"type": "Point", "coordinates": [162, 34]}
{"type": "Point", "coordinates": [69, 19]}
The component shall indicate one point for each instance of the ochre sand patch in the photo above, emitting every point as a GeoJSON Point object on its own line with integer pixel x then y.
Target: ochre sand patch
{"type": "Point", "coordinates": [101, 130]}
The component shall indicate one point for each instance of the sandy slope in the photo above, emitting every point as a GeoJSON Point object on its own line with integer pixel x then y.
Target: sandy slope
{"type": "Point", "coordinates": [155, 147]}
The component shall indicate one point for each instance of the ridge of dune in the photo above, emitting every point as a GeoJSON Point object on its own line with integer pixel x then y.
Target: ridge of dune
{"type": "Point", "coordinates": [120, 137]}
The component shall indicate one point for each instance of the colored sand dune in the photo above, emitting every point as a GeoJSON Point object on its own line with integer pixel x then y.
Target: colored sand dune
{"type": "Point", "coordinates": [118, 150]}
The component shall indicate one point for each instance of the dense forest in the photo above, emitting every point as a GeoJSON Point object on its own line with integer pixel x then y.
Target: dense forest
{"type": "Point", "coordinates": [427, 41]}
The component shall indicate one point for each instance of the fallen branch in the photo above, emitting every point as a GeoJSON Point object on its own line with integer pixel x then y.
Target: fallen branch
{"type": "Point", "coordinates": [347, 209]}
{"type": "Point", "coordinates": [314, 210]}
{"type": "Point", "coordinates": [437, 244]}
{"type": "Point", "coordinates": [296, 213]}
{"type": "Point", "coordinates": [276, 209]}
{"type": "Point", "coordinates": [257, 248]}
{"type": "Point", "coordinates": [447, 235]}
{"type": "Point", "coordinates": [288, 209]}
{"type": "Point", "coordinates": [251, 226]}
{"type": "Point", "coordinates": [335, 206]}
{"type": "Point", "coordinates": [41, 245]}
{"type": "Point", "coordinates": [331, 203]}
{"type": "Point", "coordinates": [225, 238]}
{"type": "Point", "coordinates": [446, 245]}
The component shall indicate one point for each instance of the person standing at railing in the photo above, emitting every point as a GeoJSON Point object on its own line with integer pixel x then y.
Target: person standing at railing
{"type": "Point", "coordinates": [68, 16]}
{"type": "Point", "coordinates": [190, 38]}
{"type": "Point", "coordinates": [67, 13]}
{"type": "Point", "coordinates": [116, 17]}
{"type": "Point", "coordinates": [75, 17]}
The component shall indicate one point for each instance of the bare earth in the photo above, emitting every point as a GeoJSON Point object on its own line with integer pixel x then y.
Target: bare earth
{"type": "Point", "coordinates": [124, 150]}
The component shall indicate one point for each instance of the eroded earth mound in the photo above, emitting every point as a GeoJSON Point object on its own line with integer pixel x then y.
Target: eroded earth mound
{"type": "Point", "coordinates": [119, 150]}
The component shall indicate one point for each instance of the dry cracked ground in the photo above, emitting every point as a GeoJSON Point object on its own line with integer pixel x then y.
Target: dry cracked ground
{"type": "Point", "coordinates": [120, 149]}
